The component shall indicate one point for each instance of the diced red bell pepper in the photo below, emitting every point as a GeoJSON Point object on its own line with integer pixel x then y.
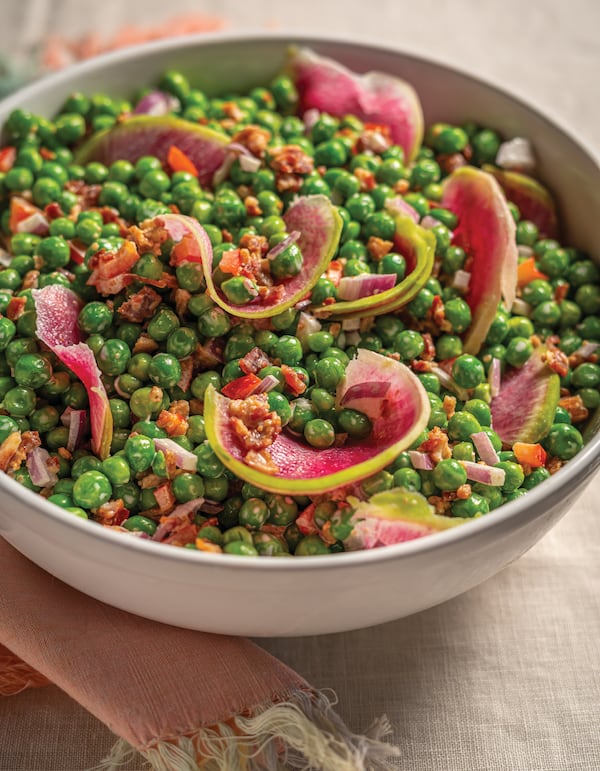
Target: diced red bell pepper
{"type": "Point", "coordinates": [179, 161]}
{"type": "Point", "coordinates": [7, 158]}
{"type": "Point", "coordinates": [532, 454]}
{"type": "Point", "coordinates": [241, 387]}
{"type": "Point", "coordinates": [293, 381]}
{"type": "Point", "coordinates": [185, 250]}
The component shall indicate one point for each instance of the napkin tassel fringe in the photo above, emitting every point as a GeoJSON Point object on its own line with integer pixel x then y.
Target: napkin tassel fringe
{"type": "Point", "coordinates": [302, 733]}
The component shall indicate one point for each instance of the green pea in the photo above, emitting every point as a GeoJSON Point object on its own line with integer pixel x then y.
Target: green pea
{"type": "Point", "coordinates": [468, 371]}
{"type": "Point", "coordinates": [91, 490]}
{"type": "Point", "coordinates": [537, 476]}
{"type": "Point", "coordinates": [354, 423]}
{"type": "Point", "coordinates": [449, 474]}
{"type": "Point", "coordinates": [139, 451]}
{"type": "Point", "coordinates": [564, 441]}
{"type": "Point", "coordinates": [253, 513]}
{"type": "Point", "coordinates": [164, 370]}
{"type": "Point", "coordinates": [458, 313]}
{"type": "Point", "coordinates": [461, 425]}
{"type": "Point", "coordinates": [116, 469]}
{"type": "Point", "coordinates": [187, 487]}
{"type": "Point", "coordinates": [310, 546]}
{"type": "Point", "coordinates": [113, 357]}
{"type": "Point", "coordinates": [319, 433]}
{"type": "Point", "coordinates": [138, 523]}
{"type": "Point", "coordinates": [518, 351]}
{"type": "Point", "coordinates": [475, 505]}
{"type": "Point", "coordinates": [378, 483]}
{"type": "Point", "coordinates": [207, 462]}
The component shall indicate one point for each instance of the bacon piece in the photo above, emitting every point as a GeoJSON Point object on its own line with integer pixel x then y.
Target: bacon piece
{"type": "Point", "coordinates": [254, 361]}
{"type": "Point", "coordinates": [575, 407]}
{"type": "Point", "coordinates": [208, 355]}
{"type": "Point", "coordinates": [449, 406]}
{"type": "Point", "coordinates": [306, 521]}
{"type": "Point", "coordinates": [557, 361]}
{"type": "Point", "coordinates": [254, 138]}
{"type": "Point", "coordinates": [293, 381]}
{"type": "Point", "coordinates": [16, 308]}
{"type": "Point", "coordinates": [174, 425]}
{"type": "Point", "coordinates": [30, 280]}
{"type": "Point", "coordinates": [181, 299]}
{"type": "Point", "coordinates": [186, 250]}
{"type": "Point", "coordinates": [187, 373]}
{"type": "Point", "coordinates": [255, 425]}
{"type": "Point", "coordinates": [241, 387]}
{"type": "Point", "coordinates": [106, 265]}
{"type": "Point", "coordinates": [165, 497]}
{"type": "Point", "coordinates": [141, 305]}
{"type": "Point", "coordinates": [436, 445]}
{"type": "Point", "coordinates": [145, 344]}
{"type": "Point", "coordinates": [378, 247]}
{"type": "Point", "coordinates": [177, 530]}
{"type": "Point", "coordinates": [149, 237]}
{"type": "Point", "coordinates": [111, 513]}
{"type": "Point", "coordinates": [8, 449]}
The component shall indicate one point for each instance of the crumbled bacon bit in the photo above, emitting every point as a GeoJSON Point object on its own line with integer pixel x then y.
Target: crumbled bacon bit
{"type": "Point", "coordinates": [8, 449]}
{"type": "Point", "coordinates": [293, 381]}
{"type": "Point", "coordinates": [553, 464]}
{"type": "Point", "coordinates": [165, 497]}
{"type": "Point", "coordinates": [209, 354]}
{"type": "Point", "coordinates": [366, 178]}
{"type": "Point", "coordinates": [375, 138]}
{"type": "Point", "coordinates": [64, 453]}
{"type": "Point", "coordinates": [378, 247]}
{"type": "Point", "coordinates": [335, 272]}
{"type": "Point", "coordinates": [256, 428]}
{"type": "Point", "coordinates": [402, 186]}
{"type": "Point", "coordinates": [254, 361]}
{"type": "Point", "coordinates": [451, 162]}
{"type": "Point", "coordinates": [111, 513]}
{"type": "Point", "coordinates": [16, 308]}
{"type": "Point", "coordinates": [141, 305]}
{"type": "Point", "coordinates": [145, 344]}
{"type": "Point", "coordinates": [463, 492]}
{"type": "Point", "coordinates": [561, 291]}
{"type": "Point", "coordinates": [441, 505]}
{"type": "Point", "coordinates": [306, 521]}
{"type": "Point", "coordinates": [254, 138]}
{"type": "Point", "coordinates": [438, 314]}
{"type": "Point", "coordinates": [196, 407]}
{"type": "Point", "coordinates": [149, 237]}
{"type": "Point", "coordinates": [180, 407]}
{"type": "Point", "coordinates": [261, 460]}
{"type": "Point", "coordinates": [174, 425]}
{"type": "Point", "coordinates": [177, 530]}
{"type": "Point", "coordinates": [575, 407]}
{"type": "Point", "coordinates": [252, 206]}
{"type": "Point", "coordinates": [206, 545]}
{"type": "Point", "coordinates": [449, 406]}
{"type": "Point", "coordinates": [290, 163]}
{"type": "Point", "coordinates": [557, 361]}
{"type": "Point", "coordinates": [436, 445]}
{"type": "Point", "coordinates": [181, 298]}
{"type": "Point", "coordinates": [429, 350]}
{"type": "Point", "coordinates": [30, 279]}
{"type": "Point", "coordinates": [418, 365]}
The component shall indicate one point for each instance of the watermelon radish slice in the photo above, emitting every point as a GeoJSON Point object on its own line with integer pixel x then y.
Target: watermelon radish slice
{"type": "Point", "coordinates": [486, 231]}
{"type": "Point", "coordinates": [524, 409]}
{"type": "Point", "coordinates": [319, 225]}
{"type": "Point", "coordinates": [417, 246]}
{"type": "Point", "coordinates": [155, 135]}
{"type": "Point", "coordinates": [534, 201]}
{"type": "Point", "coordinates": [398, 418]}
{"type": "Point", "coordinates": [57, 311]}
{"type": "Point", "coordinates": [374, 97]}
{"type": "Point", "coordinates": [394, 516]}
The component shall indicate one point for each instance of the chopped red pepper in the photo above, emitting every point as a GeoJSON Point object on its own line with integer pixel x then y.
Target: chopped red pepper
{"type": "Point", "coordinates": [527, 271]}
{"type": "Point", "coordinates": [335, 271]}
{"type": "Point", "coordinates": [7, 158]}
{"type": "Point", "coordinates": [231, 262]}
{"type": "Point", "coordinates": [185, 250]}
{"type": "Point", "coordinates": [179, 161]}
{"type": "Point", "coordinates": [241, 387]}
{"type": "Point", "coordinates": [532, 454]}
{"type": "Point", "coordinates": [20, 209]}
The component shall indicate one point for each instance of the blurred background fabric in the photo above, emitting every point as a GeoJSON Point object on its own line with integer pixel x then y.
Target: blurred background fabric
{"type": "Point", "coordinates": [506, 677]}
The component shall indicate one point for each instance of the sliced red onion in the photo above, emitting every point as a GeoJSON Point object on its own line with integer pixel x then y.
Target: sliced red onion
{"type": "Point", "coordinates": [290, 239]}
{"type": "Point", "coordinates": [341, 340]}
{"type": "Point", "coordinates": [250, 163]}
{"type": "Point", "coordinates": [65, 418]}
{"type": "Point", "coordinates": [524, 250]}
{"type": "Point", "coordinates": [5, 258]}
{"type": "Point", "coordinates": [495, 376]}
{"type": "Point", "coordinates": [307, 325]}
{"type": "Point", "coordinates": [156, 103]}
{"type": "Point", "coordinates": [37, 465]}
{"type": "Point", "coordinates": [189, 507]}
{"type": "Point", "coordinates": [350, 325]}
{"type": "Point", "coordinates": [183, 458]}
{"type": "Point", "coordinates": [521, 308]}
{"type": "Point", "coordinates": [353, 338]}
{"type": "Point", "coordinates": [365, 285]}
{"type": "Point", "coordinates": [222, 172]}
{"type": "Point", "coordinates": [517, 154]}
{"type": "Point", "coordinates": [77, 429]}
{"type": "Point", "coordinates": [310, 117]}
{"type": "Point", "coordinates": [268, 383]}
{"type": "Point", "coordinates": [123, 394]}
{"type": "Point", "coordinates": [487, 475]}
{"type": "Point", "coordinates": [301, 304]}
{"type": "Point", "coordinates": [485, 448]}
{"type": "Point", "coordinates": [400, 205]}
{"type": "Point", "coordinates": [448, 382]}
{"type": "Point", "coordinates": [36, 223]}
{"type": "Point", "coordinates": [429, 222]}
{"type": "Point", "coordinates": [586, 350]}
{"type": "Point", "coordinates": [211, 507]}
{"type": "Point", "coordinates": [420, 460]}
{"type": "Point", "coordinates": [461, 280]}
{"type": "Point", "coordinates": [374, 389]}
{"type": "Point", "coordinates": [237, 148]}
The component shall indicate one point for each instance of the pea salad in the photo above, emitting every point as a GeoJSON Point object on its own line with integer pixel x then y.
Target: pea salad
{"type": "Point", "coordinates": [294, 321]}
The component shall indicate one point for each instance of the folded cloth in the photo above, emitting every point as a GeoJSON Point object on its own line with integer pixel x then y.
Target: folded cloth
{"type": "Point", "coordinates": [185, 700]}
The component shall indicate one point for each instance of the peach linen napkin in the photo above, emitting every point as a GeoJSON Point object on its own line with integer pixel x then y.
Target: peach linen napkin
{"type": "Point", "coordinates": [185, 700]}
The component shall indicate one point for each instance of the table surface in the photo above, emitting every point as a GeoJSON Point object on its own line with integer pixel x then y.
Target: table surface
{"type": "Point", "coordinates": [508, 675]}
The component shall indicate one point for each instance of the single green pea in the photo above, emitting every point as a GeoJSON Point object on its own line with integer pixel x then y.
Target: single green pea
{"type": "Point", "coordinates": [537, 476]}
{"type": "Point", "coordinates": [253, 513]}
{"type": "Point", "coordinates": [91, 490]}
{"type": "Point", "coordinates": [310, 546]}
{"type": "Point", "coordinates": [518, 351]}
{"type": "Point", "coordinates": [458, 313]}
{"type": "Point", "coordinates": [187, 487]}
{"type": "Point", "coordinates": [378, 483]}
{"type": "Point", "coordinates": [139, 451]}
{"type": "Point", "coordinates": [475, 505]}
{"type": "Point", "coordinates": [563, 441]}
{"type": "Point", "coordinates": [468, 371]}
{"type": "Point", "coordinates": [319, 433]}
{"type": "Point", "coordinates": [113, 357]}
{"type": "Point", "coordinates": [208, 464]}
{"type": "Point", "coordinates": [116, 469]}
{"type": "Point", "coordinates": [449, 474]}
{"type": "Point", "coordinates": [164, 370]}
{"type": "Point", "coordinates": [461, 425]}
{"type": "Point", "coordinates": [138, 523]}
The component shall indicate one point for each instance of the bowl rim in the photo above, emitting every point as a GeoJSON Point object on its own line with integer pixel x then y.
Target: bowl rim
{"type": "Point", "coordinates": [581, 466]}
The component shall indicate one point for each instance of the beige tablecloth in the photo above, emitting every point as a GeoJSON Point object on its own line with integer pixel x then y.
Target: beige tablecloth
{"type": "Point", "coordinates": [506, 677]}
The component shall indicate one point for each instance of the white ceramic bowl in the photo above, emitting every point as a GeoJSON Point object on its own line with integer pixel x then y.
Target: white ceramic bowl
{"type": "Point", "coordinates": [312, 595]}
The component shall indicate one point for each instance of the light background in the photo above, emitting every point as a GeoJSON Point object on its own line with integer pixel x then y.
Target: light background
{"type": "Point", "coordinates": [506, 677]}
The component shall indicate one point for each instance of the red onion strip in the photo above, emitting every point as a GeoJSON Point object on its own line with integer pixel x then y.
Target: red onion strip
{"type": "Point", "coordinates": [268, 383]}
{"type": "Point", "coordinates": [399, 205]}
{"type": "Point", "coordinates": [156, 103]}
{"type": "Point", "coordinates": [249, 163]}
{"type": "Point", "coordinates": [487, 475]}
{"type": "Point", "coordinates": [36, 223]}
{"type": "Point", "coordinates": [485, 448]}
{"type": "Point", "coordinates": [290, 239]}
{"type": "Point", "coordinates": [586, 350]}
{"type": "Point", "coordinates": [38, 469]}
{"type": "Point", "coordinates": [420, 460]}
{"type": "Point", "coordinates": [77, 427]}
{"type": "Point", "coordinates": [183, 458]}
{"type": "Point", "coordinates": [365, 285]}
{"type": "Point", "coordinates": [461, 280]}
{"type": "Point", "coordinates": [494, 376]}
